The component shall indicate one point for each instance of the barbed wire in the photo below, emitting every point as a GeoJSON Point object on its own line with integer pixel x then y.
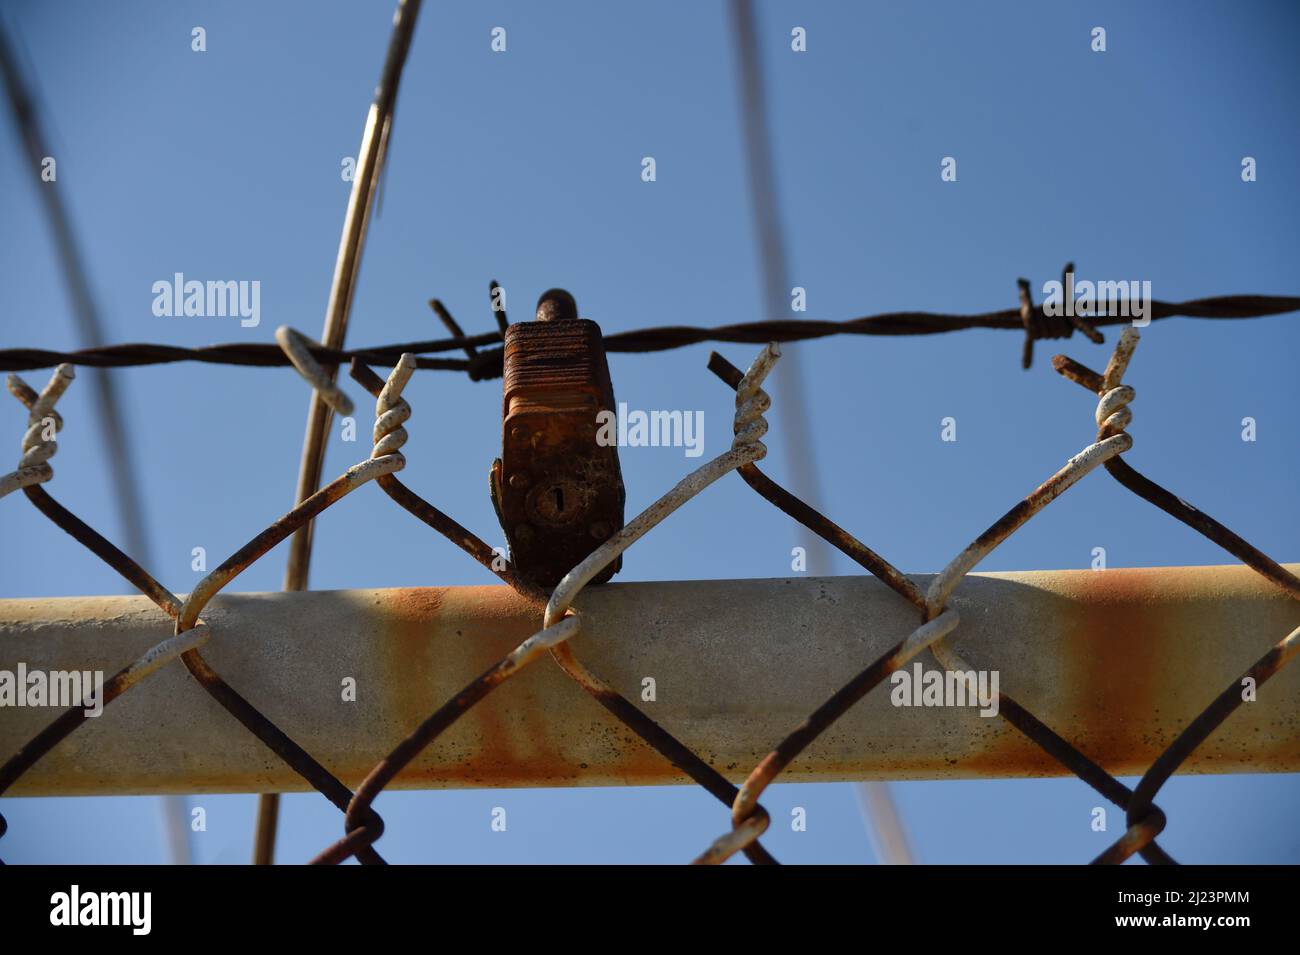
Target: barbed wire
{"type": "Point", "coordinates": [1032, 320]}
{"type": "Point", "coordinates": [561, 621]}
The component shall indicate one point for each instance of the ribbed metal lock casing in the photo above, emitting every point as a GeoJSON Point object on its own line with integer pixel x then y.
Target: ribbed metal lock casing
{"type": "Point", "coordinates": [559, 493]}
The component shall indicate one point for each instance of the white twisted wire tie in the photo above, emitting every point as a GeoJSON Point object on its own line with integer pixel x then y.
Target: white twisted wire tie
{"type": "Point", "coordinates": [391, 411]}
{"type": "Point", "coordinates": [1113, 414]}
{"type": "Point", "coordinates": [296, 347]}
{"type": "Point", "coordinates": [33, 467]}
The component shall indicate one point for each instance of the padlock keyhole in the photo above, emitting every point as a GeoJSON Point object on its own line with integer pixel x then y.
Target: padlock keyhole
{"type": "Point", "coordinates": [556, 504]}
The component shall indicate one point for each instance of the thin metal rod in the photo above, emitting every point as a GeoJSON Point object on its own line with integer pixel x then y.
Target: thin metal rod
{"type": "Point", "coordinates": [346, 267]}
{"type": "Point", "coordinates": [268, 813]}
{"type": "Point", "coordinates": [370, 162]}
{"type": "Point", "coordinates": [175, 814]}
{"type": "Point", "coordinates": [884, 827]}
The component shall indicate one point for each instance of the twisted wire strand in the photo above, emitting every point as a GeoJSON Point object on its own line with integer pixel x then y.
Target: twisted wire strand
{"type": "Point", "coordinates": [1032, 320]}
{"type": "Point", "coordinates": [391, 412]}
{"type": "Point", "coordinates": [33, 466]}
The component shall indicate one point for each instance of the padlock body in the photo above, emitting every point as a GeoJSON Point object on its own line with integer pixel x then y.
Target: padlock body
{"type": "Point", "coordinates": [560, 493]}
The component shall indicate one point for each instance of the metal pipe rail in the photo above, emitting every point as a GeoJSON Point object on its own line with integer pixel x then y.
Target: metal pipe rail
{"type": "Point", "coordinates": [1116, 661]}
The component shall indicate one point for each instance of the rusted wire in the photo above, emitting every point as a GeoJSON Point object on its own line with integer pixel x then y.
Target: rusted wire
{"type": "Point", "coordinates": [1197, 732]}
{"type": "Point", "coordinates": [411, 502]}
{"type": "Point", "coordinates": [1140, 827]}
{"type": "Point", "coordinates": [1038, 324]}
{"type": "Point", "coordinates": [931, 606]}
{"type": "Point", "coordinates": [488, 364]}
{"type": "Point", "coordinates": [187, 618]}
{"type": "Point", "coordinates": [1172, 504]}
{"type": "Point", "coordinates": [560, 622]}
{"type": "Point", "coordinates": [452, 326]}
{"type": "Point", "coordinates": [248, 715]}
{"type": "Point", "coordinates": [825, 528]}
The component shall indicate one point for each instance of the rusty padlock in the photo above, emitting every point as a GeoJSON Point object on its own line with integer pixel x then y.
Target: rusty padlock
{"type": "Point", "coordinates": [558, 493]}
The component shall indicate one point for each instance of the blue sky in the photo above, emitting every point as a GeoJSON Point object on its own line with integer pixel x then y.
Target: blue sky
{"type": "Point", "coordinates": [525, 167]}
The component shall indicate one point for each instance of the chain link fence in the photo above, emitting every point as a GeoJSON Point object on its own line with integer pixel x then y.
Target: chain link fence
{"type": "Point", "coordinates": [560, 622]}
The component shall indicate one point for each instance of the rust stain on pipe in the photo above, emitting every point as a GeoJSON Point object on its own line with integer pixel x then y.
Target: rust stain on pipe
{"type": "Point", "coordinates": [1115, 661]}
{"type": "Point", "coordinates": [1133, 661]}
